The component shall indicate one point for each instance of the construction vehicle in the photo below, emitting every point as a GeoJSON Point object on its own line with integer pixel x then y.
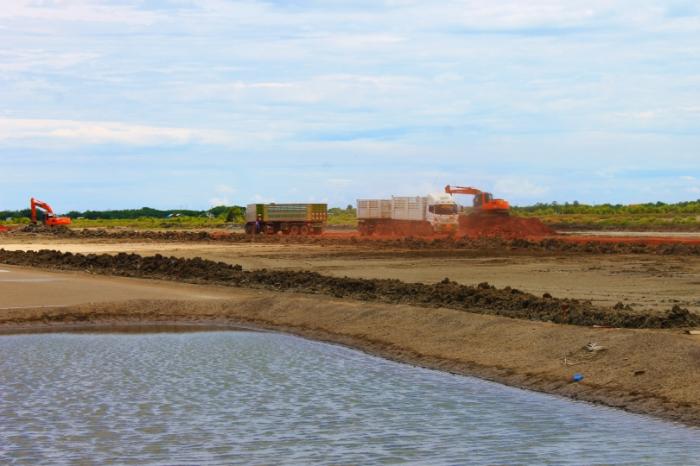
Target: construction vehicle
{"type": "Point", "coordinates": [288, 219]}
{"type": "Point", "coordinates": [484, 203]}
{"type": "Point", "coordinates": [49, 219]}
{"type": "Point", "coordinates": [435, 213]}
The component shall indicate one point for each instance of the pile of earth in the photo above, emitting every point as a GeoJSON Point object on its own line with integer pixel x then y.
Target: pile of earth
{"type": "Point", "coordinates": [39, 228]}
{"type": "Point", "coordinates": [502, 226]}
{"type": "Point", "coordinates": [478, 244]}
{"type": "Point", "coordinates": [483, 298]}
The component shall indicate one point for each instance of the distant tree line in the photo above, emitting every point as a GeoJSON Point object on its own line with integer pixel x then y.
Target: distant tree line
{"type": "Point", "coordinates": [237, 213]}
{"type": "Point", "coordinates": [653, 208]}
{"type": "Point", "coordinates": [229, 213]}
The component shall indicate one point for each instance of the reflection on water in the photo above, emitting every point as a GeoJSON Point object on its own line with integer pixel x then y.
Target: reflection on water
{"type": "Point", "coordinates": [261, 398]}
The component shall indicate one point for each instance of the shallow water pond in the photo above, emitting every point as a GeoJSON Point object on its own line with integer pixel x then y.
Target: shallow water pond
{"type": "Point", "coordinates": [263, 398]}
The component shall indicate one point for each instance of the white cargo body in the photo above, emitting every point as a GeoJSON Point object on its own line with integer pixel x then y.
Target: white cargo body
{"type": "Point", "coordinates": [407, 215]}
{"type": "Point", "coordinates": [408, 208]}
{"type": "Point", "coordinates": [373, 208]}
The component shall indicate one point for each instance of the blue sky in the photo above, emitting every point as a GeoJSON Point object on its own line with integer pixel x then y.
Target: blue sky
{"type": "Point", "coordinates": [178, 103]}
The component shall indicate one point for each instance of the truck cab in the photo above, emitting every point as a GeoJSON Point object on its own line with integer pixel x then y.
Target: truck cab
{"type": "Point", "coordinates": [442, 212]}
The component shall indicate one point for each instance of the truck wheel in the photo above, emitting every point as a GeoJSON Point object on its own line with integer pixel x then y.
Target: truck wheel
{"type": "Point", "coordinates": [249, 229]}
{"type": "Point", "coordinates": [269, 229]}
{"type": "Point", "coordinates": [304, 230]}
{"type": "Point", "coordinates": [294, 230]}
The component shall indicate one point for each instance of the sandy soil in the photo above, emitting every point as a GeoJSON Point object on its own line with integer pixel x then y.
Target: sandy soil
{"type": "Point", "coordinates": [642, 281]}
{"type": "Point", "coordinates": [654, 372]}
{"type": "Point", "coordinates": [30, 288]}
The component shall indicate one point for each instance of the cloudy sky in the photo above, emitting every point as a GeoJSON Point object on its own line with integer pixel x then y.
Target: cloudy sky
{"type": "Point", "coordinates": [191, 103]}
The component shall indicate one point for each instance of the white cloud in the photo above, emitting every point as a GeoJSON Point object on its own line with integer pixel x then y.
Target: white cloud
{"type": "Point", "coordinates": [100, 132]}
{"type": "Point", "coordinates": [75, 10]}
{"type": "Point", "coordinates": [28, 59]}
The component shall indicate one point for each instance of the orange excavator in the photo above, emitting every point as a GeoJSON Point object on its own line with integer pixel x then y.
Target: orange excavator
{"type": "Point", "coordinates": [484, 203]}
{"type": "Point", "coordinates": [50, 219]}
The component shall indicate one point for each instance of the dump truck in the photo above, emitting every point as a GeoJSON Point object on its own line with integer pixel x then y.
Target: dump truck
{"type": "Point", "coordinates": [421, 215]}
{"type": "Point", "coordinates": [288, 219]}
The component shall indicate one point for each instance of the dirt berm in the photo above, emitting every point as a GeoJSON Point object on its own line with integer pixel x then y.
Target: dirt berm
{"type": "Point", "coordinates": [479, 243]}
{"type": "Point", "coordinates": [483, 298]}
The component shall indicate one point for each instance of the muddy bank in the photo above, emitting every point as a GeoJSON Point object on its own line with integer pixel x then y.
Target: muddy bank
{"type": "Point", "coordinates": [643, 371]}
{"type": "Point", "coordinates": [495, 242]}
{"type": "Point", "coordinates": [482, 298]}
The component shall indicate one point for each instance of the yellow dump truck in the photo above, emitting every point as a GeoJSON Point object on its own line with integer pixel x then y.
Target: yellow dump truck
{"type": "Point", "coordinates": [288, 219]}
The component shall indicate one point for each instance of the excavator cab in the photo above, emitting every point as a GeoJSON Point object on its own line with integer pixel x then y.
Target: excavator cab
{"type": "Point", "coordinates": [482, 199]}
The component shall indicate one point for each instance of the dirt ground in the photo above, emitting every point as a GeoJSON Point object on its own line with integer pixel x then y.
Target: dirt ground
{"type": "Point", "coordinates": [648, 371]}
{"type": "Point", "coordinates": [643, 281]}
{"type": "Point", "coordinates": [23, 288]}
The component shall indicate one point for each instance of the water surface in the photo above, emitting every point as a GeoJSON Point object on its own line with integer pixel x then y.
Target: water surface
{"type": "Point", "coordinates": [264, 398]}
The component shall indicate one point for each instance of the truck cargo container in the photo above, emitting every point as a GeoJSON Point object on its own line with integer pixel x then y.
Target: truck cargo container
{"type": "Point", "coordinates": [435, 213]}
{"type": "Point", "coordinates": [294, 219]}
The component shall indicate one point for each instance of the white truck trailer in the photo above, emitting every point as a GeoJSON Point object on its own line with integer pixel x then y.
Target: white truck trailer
{"type": "Point", "coordinates": [435, 213]}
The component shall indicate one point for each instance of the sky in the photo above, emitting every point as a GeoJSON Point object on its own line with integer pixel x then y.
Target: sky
{"type": "Point", "coordinates": [195, 103]}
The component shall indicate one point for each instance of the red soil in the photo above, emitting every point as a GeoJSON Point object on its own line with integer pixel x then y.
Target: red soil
{"type": "Point", "coordinates": [503, 226]}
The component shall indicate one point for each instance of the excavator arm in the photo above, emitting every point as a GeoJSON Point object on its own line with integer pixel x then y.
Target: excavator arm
{"type": "Point", "coordinates": [462, 190]}
{"type": "Point", "coordinates": [37, 204]}
{"type": "Point", "coordinates": [50, 218]}
{"type": "Point", "coordinates": [484, 203]}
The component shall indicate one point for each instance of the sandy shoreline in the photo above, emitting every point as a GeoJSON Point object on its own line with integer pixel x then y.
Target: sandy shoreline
{"type": "Point", "coordinates": [650, 372]}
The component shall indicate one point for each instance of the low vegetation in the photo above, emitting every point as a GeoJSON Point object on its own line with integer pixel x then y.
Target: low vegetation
{"type": "Point", "coordinates": [148, 218]}
{"type": "Point", "coordinates": [682, 216]}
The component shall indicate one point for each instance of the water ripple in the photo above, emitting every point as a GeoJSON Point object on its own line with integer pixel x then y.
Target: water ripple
{"type": "Point", "coordinates": [261, 398]}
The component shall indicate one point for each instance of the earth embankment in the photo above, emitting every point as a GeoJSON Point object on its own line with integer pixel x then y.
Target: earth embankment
{"type": "Point", "coordinates": [495, 241]}
{"type": "Point", "coordinates": [483, 298]}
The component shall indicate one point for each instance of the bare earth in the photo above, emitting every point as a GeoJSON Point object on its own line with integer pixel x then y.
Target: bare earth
{"type": "Point", "coordinates": [648, 371]}
{"type": "Point", "coordinates": [643, 281]}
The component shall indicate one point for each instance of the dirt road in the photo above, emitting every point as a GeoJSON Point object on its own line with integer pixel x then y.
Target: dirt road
{"type": "Point", "coordinates": [655, 282]}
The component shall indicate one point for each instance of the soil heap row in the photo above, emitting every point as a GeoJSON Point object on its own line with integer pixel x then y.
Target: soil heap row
{"type": "Point", "coordinates": [483, 244]}
{"type": "Point", "coordinates": [483, 298]}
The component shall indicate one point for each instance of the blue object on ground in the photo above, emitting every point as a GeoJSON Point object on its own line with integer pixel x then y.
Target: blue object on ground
{"type": "Point", "coordinates": [577, 377]}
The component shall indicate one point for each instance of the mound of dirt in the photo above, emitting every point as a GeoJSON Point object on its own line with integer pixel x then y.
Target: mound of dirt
{"type": "Point", "coordinates": [43, 229]}
{"type": "Point", "coordinates": [483, 299]}
{"type": "Point", "coordinates": [475, 225]}
{"type": "Point", "coordinates": [483, 236]}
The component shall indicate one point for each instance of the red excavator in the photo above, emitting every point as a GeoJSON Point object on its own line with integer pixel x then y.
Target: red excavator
{"type": "Point", "coordinates": [50, 219]}
{"type": "Point", "coordinates": [484, 203]}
